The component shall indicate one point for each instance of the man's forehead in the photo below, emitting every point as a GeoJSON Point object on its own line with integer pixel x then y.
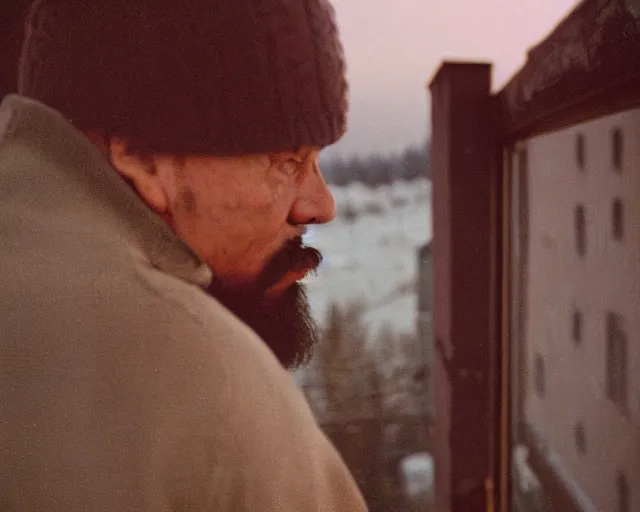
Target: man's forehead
{"type": "Point", "coordinates": [303, 153]}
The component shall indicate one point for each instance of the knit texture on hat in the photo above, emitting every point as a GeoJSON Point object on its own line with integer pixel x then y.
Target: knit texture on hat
{"type": "Point", "coordinates": [224, 77]}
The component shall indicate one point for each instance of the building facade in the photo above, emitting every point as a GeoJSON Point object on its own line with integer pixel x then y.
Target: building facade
{"type": "Point", "coordinates": [579, 345]}
{"type": "Point", "coordinates": [536, 257]}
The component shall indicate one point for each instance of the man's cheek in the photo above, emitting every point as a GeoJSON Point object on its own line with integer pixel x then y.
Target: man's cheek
{"type": "Point", "coordinates": [268, 197]}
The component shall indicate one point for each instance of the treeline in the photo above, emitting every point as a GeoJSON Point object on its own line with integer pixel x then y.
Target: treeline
{"type": "Point", "coordinates": [376, 383]}
{"type": "Point", "coordinates": [379, 169]}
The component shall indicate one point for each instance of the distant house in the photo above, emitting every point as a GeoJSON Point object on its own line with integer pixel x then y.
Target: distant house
{"type": "Point", "coordinates": [424, 327]}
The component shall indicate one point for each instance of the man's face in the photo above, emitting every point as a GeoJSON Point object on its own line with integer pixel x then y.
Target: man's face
{"type": "Point", "coordinates": [245, 217]}
{"type": "Point", "coordinates": [237, 213]}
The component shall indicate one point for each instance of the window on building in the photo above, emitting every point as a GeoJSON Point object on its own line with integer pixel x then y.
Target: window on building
{"type": "Point", "coordinates": [580, 438]}
{"type": "Point", "coordinates": [540, 375]}
{"type": "Point", "coordinates": [577, 326]}
{"type": "Point", "coordinates": [616, 360]}
{"type": "Point", "coordinates": [617, 148]}
{"type": "Point", "coordinates": [580, 160]}
{"type": "Point", "coordinates": [624, 500]}
{"type": "Point", "coordinates": [581, 228]}
{"type": "Point", "coordinates": [617, 215]}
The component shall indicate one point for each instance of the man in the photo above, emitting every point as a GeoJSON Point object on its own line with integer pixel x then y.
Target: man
{"type": "Point", "coordinates": [161, 153]}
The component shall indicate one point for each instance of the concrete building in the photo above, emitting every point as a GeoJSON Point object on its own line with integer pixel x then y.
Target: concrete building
{"type": "Point", "coordinates": [579, 347]}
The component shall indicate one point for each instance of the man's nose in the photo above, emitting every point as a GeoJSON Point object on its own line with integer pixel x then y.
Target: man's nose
{"type": "Point", "coordinates": [315, 203]}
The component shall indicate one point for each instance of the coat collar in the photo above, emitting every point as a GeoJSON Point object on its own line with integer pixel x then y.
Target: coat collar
{"type": "Point", "coordinates": [47, 132]}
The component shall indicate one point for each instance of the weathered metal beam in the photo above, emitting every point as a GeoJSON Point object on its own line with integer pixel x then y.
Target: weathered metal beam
{"type": "Point", "coordinates": [587, 67]}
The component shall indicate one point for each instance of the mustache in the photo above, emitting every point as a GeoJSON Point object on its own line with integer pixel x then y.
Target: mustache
{"type": "Point", "coordinates": [293, 256]}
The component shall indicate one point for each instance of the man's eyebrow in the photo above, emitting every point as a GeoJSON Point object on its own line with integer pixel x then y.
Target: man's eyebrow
{"type": "Point", "coordinates": [301, 153]}
{"type": "Point", "coordinates": [306, 153]}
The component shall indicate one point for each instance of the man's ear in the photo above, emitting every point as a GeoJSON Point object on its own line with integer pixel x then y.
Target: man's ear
{"type": "Point", "coordinates": [141, 172]}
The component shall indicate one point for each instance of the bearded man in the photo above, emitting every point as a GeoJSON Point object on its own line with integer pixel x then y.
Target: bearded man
{"type": "Point", "coordinates": [158, 169]}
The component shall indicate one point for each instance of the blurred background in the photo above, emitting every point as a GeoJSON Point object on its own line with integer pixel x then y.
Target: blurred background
{"type": "Point", "coordinates": [480, 293]}
{"type": "Point", "coordinates": [509, 380]}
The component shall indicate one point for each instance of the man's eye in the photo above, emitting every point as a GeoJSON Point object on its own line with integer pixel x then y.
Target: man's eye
{"type": "Point", "coordinates": [291, 166]}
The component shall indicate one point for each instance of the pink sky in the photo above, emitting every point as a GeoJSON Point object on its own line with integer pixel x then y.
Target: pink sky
{"type": "Point", "coordinates": [393, 48]}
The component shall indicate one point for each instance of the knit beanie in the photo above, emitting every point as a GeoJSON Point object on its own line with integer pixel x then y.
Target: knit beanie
{"type": "Point", "coordinates": [210, 77]}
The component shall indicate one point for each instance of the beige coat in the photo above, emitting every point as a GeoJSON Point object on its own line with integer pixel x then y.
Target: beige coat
{"type": "Point", "coordinates": [123, 386]}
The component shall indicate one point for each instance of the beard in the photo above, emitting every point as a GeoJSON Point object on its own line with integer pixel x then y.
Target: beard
{"type": "Point", "coordinates": [285, 322]}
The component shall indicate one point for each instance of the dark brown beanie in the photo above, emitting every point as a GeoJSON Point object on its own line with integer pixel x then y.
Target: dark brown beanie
{"type": "Point", "coordinates": [216, 77]}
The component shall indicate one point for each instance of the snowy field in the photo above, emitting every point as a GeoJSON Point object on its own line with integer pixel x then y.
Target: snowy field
{"type": "Point", "coordinates": [370, 252]}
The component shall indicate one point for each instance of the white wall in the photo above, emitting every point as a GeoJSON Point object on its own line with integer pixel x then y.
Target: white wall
{"type": "Point", "coordinates": [606, 279]}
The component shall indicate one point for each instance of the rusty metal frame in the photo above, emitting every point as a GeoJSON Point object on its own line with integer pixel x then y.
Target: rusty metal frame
{"type": "Point", "coordinates": [588, 67]}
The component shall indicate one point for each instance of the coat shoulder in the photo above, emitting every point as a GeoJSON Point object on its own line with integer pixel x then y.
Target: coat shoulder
{"type": "Point", "coordinates": [269, 453]}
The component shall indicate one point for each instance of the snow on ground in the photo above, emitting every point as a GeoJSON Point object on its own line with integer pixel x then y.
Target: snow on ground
{"type": "Point", "coordinates": [418, 475]}
{"type": "Point", "coordinates": [370, 252]}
